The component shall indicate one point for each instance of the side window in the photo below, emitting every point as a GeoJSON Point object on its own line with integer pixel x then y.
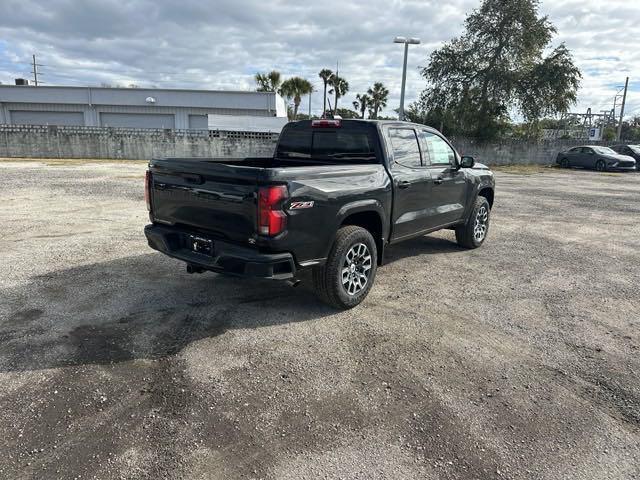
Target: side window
{"type": "Point", "coordinates": [437, 151]}
{"type": "Point", "coordinates": [405, 147]}
{"type": "Point", "coordinates": [587, 150]}
{"type": "Point", "coordinates": [575, 150]}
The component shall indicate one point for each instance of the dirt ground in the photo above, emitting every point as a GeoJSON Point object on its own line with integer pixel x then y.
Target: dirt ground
{"type": "Point", "coordinates": [519, 360]}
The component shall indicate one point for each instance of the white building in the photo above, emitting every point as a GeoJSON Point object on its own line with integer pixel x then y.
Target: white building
{"type": "Point", "coordinates": [142, 108]}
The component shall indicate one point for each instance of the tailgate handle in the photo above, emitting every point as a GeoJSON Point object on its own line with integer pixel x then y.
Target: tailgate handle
{"type": "Point", "coordinates": [193, 179]}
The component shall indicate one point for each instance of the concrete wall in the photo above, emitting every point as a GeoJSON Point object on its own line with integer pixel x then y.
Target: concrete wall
{"type": "Point", "coordinates": [131, 143]}
{"type": "Point", "coordinates": [125, 143]}
{"type": "Point", "coordinates": [516, 152]}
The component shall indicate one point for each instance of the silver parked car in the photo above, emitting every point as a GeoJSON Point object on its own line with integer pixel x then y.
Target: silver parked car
{"type": "Point", "coordinates": [598, 158]}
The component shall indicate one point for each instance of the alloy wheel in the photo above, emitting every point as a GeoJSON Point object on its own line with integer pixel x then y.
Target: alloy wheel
{"type": "Point", "coordinates": [481, 224]}
{"type": "Point", "coordinates": [356, 268]}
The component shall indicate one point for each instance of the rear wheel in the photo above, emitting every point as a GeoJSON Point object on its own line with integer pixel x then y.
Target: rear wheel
{"type": "Point", "coordinates": [473, 233]}
{"type": "Point", "coordinates": [346, 278]}
{"type": "Point", "coordinates": [564, 163]}
{"type": "Point", "coordinates": [601, 166]}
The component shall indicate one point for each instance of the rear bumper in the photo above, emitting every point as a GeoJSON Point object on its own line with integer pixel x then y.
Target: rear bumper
{"type": "Point", "coordinates": [226, 257]}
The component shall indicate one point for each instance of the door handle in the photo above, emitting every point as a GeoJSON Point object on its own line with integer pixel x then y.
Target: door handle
{"type": "Point", "coordinates": [404, 184]}
{"type": "Point", "coordinates": [438, 181]}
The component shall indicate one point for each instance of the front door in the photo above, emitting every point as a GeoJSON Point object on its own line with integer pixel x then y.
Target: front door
{"type": "Point", "coordinates": [412, 205]}
{"type": "Point", "coordinates": [449, 188]}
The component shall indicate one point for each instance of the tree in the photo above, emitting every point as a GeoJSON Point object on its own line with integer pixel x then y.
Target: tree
{"type": "Point", "coordinates": [339, 88]}
{"type": "Point", "coordinates": [296, 88]}
{"type": "Point", "coordinates": [497, 66]}
{"type": "Point", "coordinates": [631, 129]}
{"type": "Point", "coordinates": [379, 95]}
{"type": "Point", "coordinates": [325, 74]}
{"type": "Point", "coordinates": [347, 113]}
{"type": "Point", "coordinates": [537, 92]}
{"type": "Point", "coordinates": [361, 103]}
{"type": "Point", "coordinates": [268, 82]}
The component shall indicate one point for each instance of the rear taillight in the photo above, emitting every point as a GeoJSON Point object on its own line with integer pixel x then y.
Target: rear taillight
{"type": "Point", "coordinates": [147, 189]}
{"type": "Point", "coordinates": [271, 217]}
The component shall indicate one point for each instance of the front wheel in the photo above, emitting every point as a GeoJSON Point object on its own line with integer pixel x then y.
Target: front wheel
{"type": "Point", "coordinates": [564, 163]}
{"type": "Point", "coordinates": [473, 233]}
{"type": "Point", "coordinates": [346, 278]}
{"type": "Point", "coordinates": [601, 166]}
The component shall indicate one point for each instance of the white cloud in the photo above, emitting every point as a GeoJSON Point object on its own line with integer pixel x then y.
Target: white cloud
{"type": "Point", "coordinates": [221, 44]}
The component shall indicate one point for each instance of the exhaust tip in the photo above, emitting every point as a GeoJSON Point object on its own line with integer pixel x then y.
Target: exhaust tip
{"type": "Point", "coordinates": [194, 269]}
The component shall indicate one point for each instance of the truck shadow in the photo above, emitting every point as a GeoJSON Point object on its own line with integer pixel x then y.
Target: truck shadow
{"type": "Point", "coordinates": [148, 307]}
{"type": "Point", "coordinates": [142, 307]}
{"type": "Point", "coordinates": [425, 245]}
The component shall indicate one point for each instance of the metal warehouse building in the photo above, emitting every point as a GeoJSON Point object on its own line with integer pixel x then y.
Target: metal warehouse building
{"type": "Point", "coordinates": [138, 107]}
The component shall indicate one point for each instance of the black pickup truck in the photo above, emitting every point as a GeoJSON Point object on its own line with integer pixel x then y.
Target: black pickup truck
{"type": "Point", "coordinates": [331, 198]}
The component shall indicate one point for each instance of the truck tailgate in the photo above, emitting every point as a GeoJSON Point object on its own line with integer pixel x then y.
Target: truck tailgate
{"type": "Point", "coordinates": [206, 194]}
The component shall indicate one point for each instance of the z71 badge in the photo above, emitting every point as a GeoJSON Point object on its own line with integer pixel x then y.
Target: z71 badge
{"type": "Point", "coordinates": [300, 205]}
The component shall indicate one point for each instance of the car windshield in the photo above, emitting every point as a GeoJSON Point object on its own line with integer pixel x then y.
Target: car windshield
{"type": "Point", "coordinates": [635, 148]}
{"type": "Point", "coordinates": [604, 150]}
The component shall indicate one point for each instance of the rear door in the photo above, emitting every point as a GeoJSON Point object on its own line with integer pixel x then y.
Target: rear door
{"type": "Point", "coordinates": [587, 158]}
{"type": "Point", "coordinates": [573, 156]}
{"type": "Point", "coordinates": [412, 205]}
{"type": "Point", "coordinates": [449, 183]}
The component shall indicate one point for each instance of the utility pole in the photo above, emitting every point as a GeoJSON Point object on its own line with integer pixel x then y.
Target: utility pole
{"type": "Point", "coordinates": [35, 66]}
{"type": "Point", "coordinates": [624, 101]}
{"type": "Point", "coordinates": [35, 71]}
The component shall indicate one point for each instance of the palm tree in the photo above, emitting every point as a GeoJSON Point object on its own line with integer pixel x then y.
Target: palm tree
{"type": "Point", "coordinates": [325, 74]}
{"type": "Point", "coordinates": [296, 88]}
{"type": "Point", "coordinates": [339, 88]}
{"type": "Point", "coordinates": [268, 82]}
{"type": "Point", "coordinates": [361, 103]}
{"type": "Point", "coordinates": [379, 95]}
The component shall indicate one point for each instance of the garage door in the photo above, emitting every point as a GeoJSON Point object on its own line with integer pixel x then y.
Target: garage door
{"type": "Point", "coordinates": [198, 122]}
{"type": "Point", "coordinates": [24, 117]}
{"type": "Point", "coordinates": [137, 120]}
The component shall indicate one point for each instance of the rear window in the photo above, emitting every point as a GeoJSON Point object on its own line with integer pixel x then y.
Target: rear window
{"type": "Point", "coordinates": [340, 144]}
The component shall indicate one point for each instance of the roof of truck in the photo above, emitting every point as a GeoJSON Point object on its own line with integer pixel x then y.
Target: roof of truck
{"type": "Point", "coordinates": [377, 122]}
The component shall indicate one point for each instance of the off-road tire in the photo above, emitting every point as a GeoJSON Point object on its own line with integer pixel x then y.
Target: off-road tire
{"type": "Point", "coordinates": [465, 234]}
{"type": "Point", "coordinates": [327, 280]}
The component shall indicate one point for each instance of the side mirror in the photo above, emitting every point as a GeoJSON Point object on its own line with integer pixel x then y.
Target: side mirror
{"type": "Point", "coordinates": [467, 161]}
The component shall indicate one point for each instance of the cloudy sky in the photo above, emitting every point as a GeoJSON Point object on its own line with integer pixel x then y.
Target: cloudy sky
{"type": "Point", "coordinates": [220, 44]}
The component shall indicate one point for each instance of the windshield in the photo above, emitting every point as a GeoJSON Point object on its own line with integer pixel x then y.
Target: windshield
{"type": "Point", "coordinates": [604, 151]}
{"type": "Point", "coordinates": [635, 148]}
{"type": "Point", "coordinates": [334, 145]}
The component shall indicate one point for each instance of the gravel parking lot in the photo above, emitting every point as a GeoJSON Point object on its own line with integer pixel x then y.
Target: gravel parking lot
{"type": "Point", "coordinates": [519, 360]}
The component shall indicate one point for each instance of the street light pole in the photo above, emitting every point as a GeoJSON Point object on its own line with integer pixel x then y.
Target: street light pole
{"type": "Point", "coordinates": [407, 42]}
